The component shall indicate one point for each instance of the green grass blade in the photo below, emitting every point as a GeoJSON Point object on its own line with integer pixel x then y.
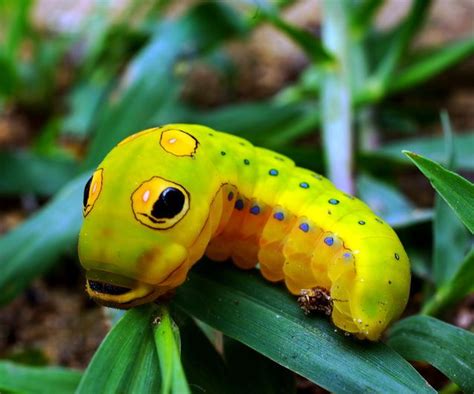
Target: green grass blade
{"type": "Point", "coordinates": [461, 284]}
{"type": "Point", "coordinates": [17, 378]}
{"type": "Point", "coordinates": [126, 361]}
{"type": "Point", "coordinates": [166, 336]}
{"type": "Point", "coordinates": [336, 97]}
{"type": "Point", "coordinates": [34, 246]}
{"type": "Point", "coordinates": [451, 242]}
{"type": "Point", "coordinates": [308, 42]}
{"type": "Point", "coordinates": [265, 317]}
{"type": "Point", "coordinates": [197, 351]}
{"type": "Point", "coordinates": [450, 237]}
{"type": "Point", "coordinates": [455, 190]}
{"type": "Point", "coordinates": [153, 88]}
{"type": "Point", "coordinates": [26, 172]}
{"type": "Point", "coordinates": [448, 348]}
{"type": "Point", "coordinates": [362, 15]}
{"type": "Point", "coordinates": [389, 203]}
{"type": "Point", "coordinates": [431, 65]}
{"type": "Point", "coordinates": [406, 31]}
{"type": "Point", "coordinates": [431, 147]}
{"type": "Point", "coordinates": [251, 371]}
{"type": "Point", "coordinates": [264, 123]}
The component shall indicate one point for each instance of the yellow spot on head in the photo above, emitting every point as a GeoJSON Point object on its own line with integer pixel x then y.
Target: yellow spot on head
{"type": "Point", "coordinates": [94, 191]}
{"type": "Point", "coordinates": [178, 142]}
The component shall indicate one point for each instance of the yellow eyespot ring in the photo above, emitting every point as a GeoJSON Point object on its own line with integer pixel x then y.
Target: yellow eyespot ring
{"type": "Point", "coordinates": [178, 142]}
{"type": "Point", "coordinates": [159, 203]}
{"type": "Point", "coordinates": [92, 190]}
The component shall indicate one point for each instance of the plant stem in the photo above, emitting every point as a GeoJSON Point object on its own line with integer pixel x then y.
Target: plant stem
{"type": "Point", "coordinates": [336, 97]}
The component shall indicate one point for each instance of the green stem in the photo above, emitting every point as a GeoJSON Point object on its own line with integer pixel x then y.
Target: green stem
{"type": "Point", "coordinates": [336, 97]}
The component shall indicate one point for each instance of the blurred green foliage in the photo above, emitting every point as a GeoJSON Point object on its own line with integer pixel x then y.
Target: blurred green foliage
{"type": "Point", "coordinates": [125, 74]}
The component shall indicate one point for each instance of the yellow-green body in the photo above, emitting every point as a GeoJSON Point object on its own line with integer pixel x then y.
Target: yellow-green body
{"type": "Point", "coordinates": [241, 202]}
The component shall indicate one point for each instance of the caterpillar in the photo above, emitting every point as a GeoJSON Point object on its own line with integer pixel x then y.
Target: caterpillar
{"type": "Point", "coordinates": [164, 197]}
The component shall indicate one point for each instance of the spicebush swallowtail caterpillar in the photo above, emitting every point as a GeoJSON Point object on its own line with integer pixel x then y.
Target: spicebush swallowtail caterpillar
{"type": "Point", "coordinates": [164, 197]}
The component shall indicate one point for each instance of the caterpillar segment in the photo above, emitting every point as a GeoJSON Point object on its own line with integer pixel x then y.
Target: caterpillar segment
{"type": "Point", "coordinates": [166, 196]}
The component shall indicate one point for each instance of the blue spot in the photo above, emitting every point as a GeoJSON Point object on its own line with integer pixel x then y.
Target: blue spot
{"type": "Point", "coordinates": [329, 241]}
{"type": "Point", "coordinates": [333, 201]}
{"type": "Point", "coordinates": [397, 257]}
{"type": "Point", "coordinates": [230, 196]}
{"type": "Point", "coordinates": [304, 185]}
{"type": "Point", "coordinates": [246, 162]}
{"type": "Point", "coordinates": [273, 172]}
{"type": "Point", "coordinates": [255, 210]}
{"type": "Point", "coordinates": [304, 227]}
{"type": "Point", "coordinates": [239, 204]}
{"type": "Point", "coordinates": [347, 255]}
{"type": "Point", "coordinates": [279, 216]}
{"type": "Point", "coordinates": [361, 222]}
{"type": "Point", "coordinates": [223, 153]}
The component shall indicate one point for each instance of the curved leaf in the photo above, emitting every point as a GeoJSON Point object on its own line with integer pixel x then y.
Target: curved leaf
{"type": "Point", "coordinates": [167, 344]}
{"type": "Point", "coordinates": [126, 361]}
{"type": "Point", "coordinates": [448, 348]}
{"type": "Point", "coordinates": [266, 318]}
{"type": "Point", "coordinates": [34, 246]}
{"type": "Point", "coordinates": [455, 190]}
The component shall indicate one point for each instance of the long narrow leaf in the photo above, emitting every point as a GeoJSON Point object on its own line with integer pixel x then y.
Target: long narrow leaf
{"type": "Point", "coordinates": [197, 351]}
{"type": "Point", "coordinates": [448, 348]}
{"type": "Point", "coordinates": [455, 190]}
{"type": "Point", "coordinates": [431, 147]}
{"type": "Point", "coordinates": [34, 246]}
{"type": "Point", "coordinates": [266, 318]}
{"type": "Point", "coordinates": [17, 378]}
{"type": "Point", "coordinates": [251, 371]}
{"type": "Point", "coordinates": [452, 291]}
{"type": "Point", "coordinates": [25, 172]}
{"type": "Point", "coordinates": [126, 361]}
{"type": "Point", "coordinates": [153, 86]}
{"type": "Point", "coordinates": [431, 64]}
{"type": "Point", "coordinates": [166, 337]}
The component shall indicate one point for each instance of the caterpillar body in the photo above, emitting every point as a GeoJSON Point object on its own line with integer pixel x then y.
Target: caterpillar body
{"type": "Point", "coordinates": [164, 197]}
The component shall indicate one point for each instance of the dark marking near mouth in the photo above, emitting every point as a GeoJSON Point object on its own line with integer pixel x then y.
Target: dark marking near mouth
{"type": "Point", "coordinates": [107, 288]}
{"type": "Point", "coordinates": [152, 219]}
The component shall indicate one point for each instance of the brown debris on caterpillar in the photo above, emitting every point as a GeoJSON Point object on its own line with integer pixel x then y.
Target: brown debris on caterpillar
{"type": "Point", "coordinates": [316, 299]}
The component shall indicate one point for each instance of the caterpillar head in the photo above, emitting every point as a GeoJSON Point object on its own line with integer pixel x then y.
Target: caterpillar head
{"type": "Point", "coordinates": [145, 209]}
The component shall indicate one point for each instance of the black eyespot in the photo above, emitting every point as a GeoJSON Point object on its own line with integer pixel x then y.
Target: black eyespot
{"type": "Point", "coordinates": [87, 188]}
{"type": "Point", "coordinates": [169, 204]}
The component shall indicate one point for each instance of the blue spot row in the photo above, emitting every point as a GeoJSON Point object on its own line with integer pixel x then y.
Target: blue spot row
{"type": "Point", "coordinates": [329, 241]}
{"type": "Point", "coordinates": [304, 227]}
{"type": "Point", "coordinates": [273, 172]}
{"type": "Point", "coordinates": [304, 185]}
{"type": "Point", "coordinates": [255, 210]}
{"type": "Point", "coordinates": [333, 201]}
{"type": "Point", "coordinates": [239, 204]}
{"type": "Point", "coordinates": [279, 216]}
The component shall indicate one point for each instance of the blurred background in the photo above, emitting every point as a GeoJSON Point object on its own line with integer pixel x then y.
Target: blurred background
{"type": "Point", "coordinates": [78, 76]}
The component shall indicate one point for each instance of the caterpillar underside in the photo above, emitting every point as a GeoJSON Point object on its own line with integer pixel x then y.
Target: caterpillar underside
{"type": "Point", "coordinates": [164, 197]}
